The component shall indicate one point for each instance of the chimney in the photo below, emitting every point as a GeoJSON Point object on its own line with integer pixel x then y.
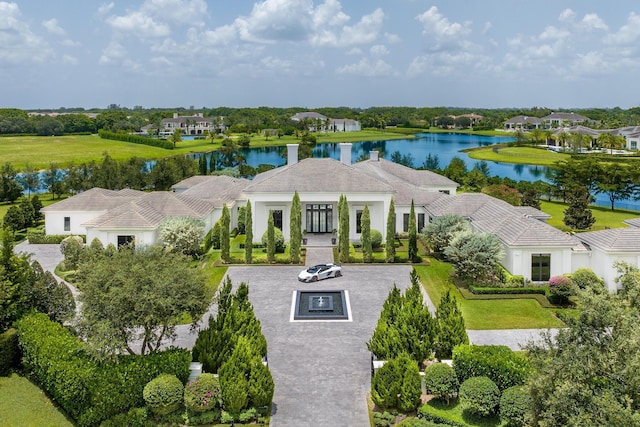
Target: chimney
{"type": "Point", "coordinates": [373, 156]}
{"type": "Point", "coordinates": [175, 115]}
{"type": "Point", "coordinates": [345, 153]}
{"type": "Point", "coordinates": [292, 154]}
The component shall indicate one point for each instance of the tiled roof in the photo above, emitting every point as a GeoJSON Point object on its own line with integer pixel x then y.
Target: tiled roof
{"type": "Point", "coordinates": [150, 210]}
{"type": "Point", "coordinates": [192, 181]}
{"type": "Point", "coordinates": [391, 172]}
{"type": "Point", "coordinates": [522, 231]}
{"type": "Point", "coordinates": [633, 222]}
{"type": "Point", "coordinates": [470, 205]}
{"type": "Point", "coordinates": [566, 116]}
{"type": "Point", "coordinates": [96, 199]}
{"type": "Point", "coordinates": [531, 212]}
{"type": "Point", "coordinates": [219, 190]}
{"type": "Point", "coordinates": [317, 175]}
{"type": "Point", "coordinates": [308, 115]}
{"type": "Point", "coordinates": [613, 239]}
{"type": "Point", "coordinates": [524, 119]}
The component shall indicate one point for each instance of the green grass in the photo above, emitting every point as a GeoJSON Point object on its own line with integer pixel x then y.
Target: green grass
{"type": "Point", "coordinates": [44, 198]}
{"type": "Point", "coordinates": [454, 412]}
{"type": "Point", "coordinates": [507, 313]}
{"type": "Point", "coordinates": [23, 404]}
{"type": "Point", "coordinates": [20, 150]}
{"type": "Point", "coordinates": [605, 217]}
{"type": "Point", "coordinates": [520, 155]}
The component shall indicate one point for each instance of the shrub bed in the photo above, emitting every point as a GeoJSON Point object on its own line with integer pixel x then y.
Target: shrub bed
{"type": "Point", "coordinates": [9, 351]}
{"type": "Point", "coordinates": [89, 391]}
{"type": "Point", "coordinates": [478, 290]}
{"type": "Point", "coordinates": [38, 237]}
{"type": "Point", "coordinates": [480, 396]}
{"type": "Point", "coordinates": [497, 362]}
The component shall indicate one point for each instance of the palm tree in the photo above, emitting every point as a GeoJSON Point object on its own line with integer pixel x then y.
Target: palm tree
{"type": "Point", "coordinates": [610, 141]}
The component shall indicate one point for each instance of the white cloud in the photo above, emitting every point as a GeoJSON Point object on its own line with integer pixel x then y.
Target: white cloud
{"type": "Point", "coordinates": [183, 12]}
{"type": "Point", "coordinates": [487, 27]}
{"type": "Point", "coordinates": [113, 53]}
{"type": "Point", "coordinates": [274, 63]}
{"type": "Point", "coordinates": [365, 31]}
{"type": "Point", "coordinates": [139, 24]}
{"type": "Point", "coordinates": [105, 8]}
{"type": "Point", "coordinates": [379, 50]}
{"type": "Point", "coordinates": [18, 44]}
{"type": "Point", "coordinates": [68, 59]}
{"type": "Point", "coordinates": [628, 34]}
{"type": "Point", "coordinates": [593, 21]}
{"type": "Point", "coordinates": [52, 26]}
{"type": "Point", "coordinates": [392, 38]}
{"type": "Point", "coordinates": [367, 68]}
{"type": "Point", "coordinates": [567, 15]}
{"type": "Point", "coordinates": [442, 32]}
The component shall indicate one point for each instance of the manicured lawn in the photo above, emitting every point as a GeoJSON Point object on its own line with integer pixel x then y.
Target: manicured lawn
{"type": "Point", "coordinates": [22, 404]}
{"type": "Point", "coordinates": [19, 150]}
{"type": "Point", "coordinates": [605, 217]}
{"type": "Point", "coordinates": [522, 155]}
{"type": "Point", "coordinates": [486, 314]}
{"type": "Point", "coordinates": [44, 198]}
{"type": "Point", "coordinates": [454, 412]}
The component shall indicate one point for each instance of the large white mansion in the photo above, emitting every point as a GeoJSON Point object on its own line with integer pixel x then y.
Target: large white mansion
{"type": "Point", "coordinates": [532, 248]}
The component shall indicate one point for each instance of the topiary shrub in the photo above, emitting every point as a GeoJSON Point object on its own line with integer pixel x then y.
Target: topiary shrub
{"type": "Point", "coordinates": [376, 239]}
{"type": "Point", "coordinates": [202, 394]}
{"type": "Point", "coordinates": [72, 248]}
{"type": "Point", "coordinates": [560, 289]}
{"type": "Point", "coordinates": [278, 237]}
{"type": "Point", "coordinates": [498, 362]}
{"type": "Point", "coordinates": [411, 387]}
{"type": "Point", "coordinates": [480, 396]}
{"type": "Point", "coordinates": [441, 381]}
{"type": "Point", "coordinates": [164, 394]}
{"type": "Point", "coordinates": [386, 385]}
{"type": "Point", "coordinates": [515, 406]}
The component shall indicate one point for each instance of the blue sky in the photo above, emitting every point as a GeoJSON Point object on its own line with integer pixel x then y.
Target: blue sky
{"type": "Point", "coordinates": [315, 53]}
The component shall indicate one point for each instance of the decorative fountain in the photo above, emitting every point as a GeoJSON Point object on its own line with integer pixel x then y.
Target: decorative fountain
{"type": "Point", "coordinates": [320, 305]}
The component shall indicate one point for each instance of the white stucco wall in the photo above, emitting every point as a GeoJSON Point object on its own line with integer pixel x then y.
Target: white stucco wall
{"type": "Point", "coordinates": [141, 237]}
{"type": "Point", "coordinates": [54, 221]}
{"type": "Point", "coordinates": [518, 260]}
{"type": "Point", "coordinates": [602, 263]}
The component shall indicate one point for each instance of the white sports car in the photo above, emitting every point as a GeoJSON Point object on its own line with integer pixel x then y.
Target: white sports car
{"type": "Point", "coordinates": [319, 272]}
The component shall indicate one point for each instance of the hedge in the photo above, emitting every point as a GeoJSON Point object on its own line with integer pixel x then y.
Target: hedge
{"type": "Point", "coordinates": [38, 237]}
{"type": "Point", "coordinates": [135, 139]}
{"type": "Point", "coordinates": [89, 391]}
{"type": "Point", "coordinates": [423, 413]}
{"type": "Point", "coordinates": [9, 351]}
{"type": "Point", "coordinates": [497, 362]}
{"type": "Point", "coordinates": [478, 290]}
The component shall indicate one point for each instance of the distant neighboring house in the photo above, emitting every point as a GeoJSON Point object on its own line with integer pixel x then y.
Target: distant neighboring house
{"type": "Point", "coordinates": [631, 135]}
{"type": "Point", "coordinates": [189, 125]}
{"type": "Point", "coordinates": [335, 125]}
{"type": "Point", "coordinates": [523, 123]}
{"type": "Point", "coordinates": [532, 248]}
{"type": "Point", "coordinates": [556, 120]}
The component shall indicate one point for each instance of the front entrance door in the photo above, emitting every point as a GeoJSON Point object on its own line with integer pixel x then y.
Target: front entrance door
{"type": "Point", "coordinates": [319, 218]}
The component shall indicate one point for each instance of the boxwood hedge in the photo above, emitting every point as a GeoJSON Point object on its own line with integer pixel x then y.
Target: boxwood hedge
{"type": "Point", "coordinates": [88, 390]}
{"type": "Point", "coordinates": [497, 362]}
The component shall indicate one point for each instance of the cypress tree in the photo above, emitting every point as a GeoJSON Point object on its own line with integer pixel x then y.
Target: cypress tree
{"type": "Point", "coordinates": [450, 327]}
{"type": "Point", "coordinates": [271, 239]}
{"type": "Point", "coordinates": [248, 233]}
{"type": "Point", "coordinates": [365, 228]}
{"type": "Point", "coordinates": [340, 233]}
{"type": "Point", "coordinates": [295, 229]}
{"type": "Point", "coordinates": [413, 236]}
{"type": "Point", "coordinates": [390, 244]}
{"type": "Point", "coordinates": [344, 231]}
{"type": "Point", "coordinates": [578, 216]}
{"type": "Point", "coordinates": [225, 222]}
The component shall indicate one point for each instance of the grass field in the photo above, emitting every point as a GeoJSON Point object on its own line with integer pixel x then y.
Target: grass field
{"type": "Point", "coordinates": [40, 151]}
{"type": "Point", "coordinates": [486, 314]}
{"type": "Point", "coordinates": [519, 155]}
{"type": "Point", "coordinates": [605, 217]}
{"type": "Point", "coordinates": [22, 404]}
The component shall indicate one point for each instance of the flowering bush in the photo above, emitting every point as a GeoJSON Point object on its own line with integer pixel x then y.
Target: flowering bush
{"type": "Point", "coordinates": [560, 289]}
{"type": "Point", "coordinates": [202, 394]}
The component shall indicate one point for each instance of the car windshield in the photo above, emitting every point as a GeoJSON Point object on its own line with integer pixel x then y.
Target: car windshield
{"type": "Point", "coordinates": [316, 268]}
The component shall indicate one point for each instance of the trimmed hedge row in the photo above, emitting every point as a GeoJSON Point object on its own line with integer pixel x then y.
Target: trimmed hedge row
{"type": "Point", "coordinates": [9, 351]}
{"type": "Point", "coordinates": [478, 290]}
{"type": "Point", "coordinates": [89, 391]}
{"type": "Point", "coordinates": [497, 362]}
{"type": "Point", "coordinates": [136, 139]}
{"type": "Point", "coordinates": [423, 413]}
{"type": "Point", "coordinates": [38, 237]}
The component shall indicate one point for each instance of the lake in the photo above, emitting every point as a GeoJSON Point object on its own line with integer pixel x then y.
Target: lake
{"type": "Point", "coordinates": [445, 146]}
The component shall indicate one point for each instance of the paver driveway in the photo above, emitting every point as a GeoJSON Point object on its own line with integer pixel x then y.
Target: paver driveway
{"type": "Point", "coordinates": [321, 369]}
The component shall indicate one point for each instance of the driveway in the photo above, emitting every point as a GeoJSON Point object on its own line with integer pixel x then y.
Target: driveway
{"type": "Point", "coordinates": [322, 370]}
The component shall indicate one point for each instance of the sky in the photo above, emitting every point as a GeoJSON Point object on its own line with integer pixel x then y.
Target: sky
{"type": "Point", "coordinates": [320, 53]}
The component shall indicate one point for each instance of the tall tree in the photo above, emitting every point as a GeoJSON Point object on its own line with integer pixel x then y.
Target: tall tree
{"type": "Point", "coordinates": [182, 234]}
{"type": "Point", "coordinates": [475, 256]}
{"type": "Point", "coordinates": [30, 179]}
{"type": "Point", "coordinates": [248, 233]}
{"type": "Point", "coordinates": [271, 239]}
{"type": "Point", "coordinates": [578, 216]}
{"type": "Point", "coordinates": [390, 239]}
{"type": "Point", "coordinates": [441, 230]}
{"type": "Point", "coordinates": [344, 231]}
{"type": "Point", "coordinates": [225, 243]}
{"type": "Point", "coordinates": [617, 181]}
{"type": "Point", "coordinates": [413, 236]}
{"type": "Point", "coordinates": [10, 190]}
{"type": "Point", "coordinates": [147, 292]}
{"type": "Point", "coordinates": [295, 229]}
{"type": "Point", "coordinates": [450, 327]}
{"type": "Point", "coordinates": [365, 236]}
{"type": "Point", "coordinates": [175, 137]}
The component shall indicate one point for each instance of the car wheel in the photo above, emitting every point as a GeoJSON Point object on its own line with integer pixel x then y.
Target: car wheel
{"type": "Point", "coordinates": [338, 274]}
{"type": "Point", "coordinates": [314, 279]}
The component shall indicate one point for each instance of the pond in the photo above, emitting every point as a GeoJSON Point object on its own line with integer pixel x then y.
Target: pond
{"type": "Point", "coordinates": [445, 146]}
